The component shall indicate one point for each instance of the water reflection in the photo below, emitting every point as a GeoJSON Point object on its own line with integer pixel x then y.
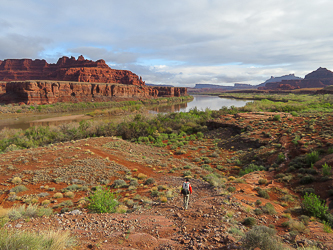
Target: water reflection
{"type": "Point", "coordinates": [201, 102]}
{"type": "Point", "coordinates": [168, 109]}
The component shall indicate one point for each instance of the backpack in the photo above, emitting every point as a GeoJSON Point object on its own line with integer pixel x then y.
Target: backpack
{"type": "Point", "coordinates": [186, 188]}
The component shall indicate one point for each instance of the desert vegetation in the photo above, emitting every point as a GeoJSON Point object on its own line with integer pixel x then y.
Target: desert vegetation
{"type": "Point", "coordinates": [260, 178]}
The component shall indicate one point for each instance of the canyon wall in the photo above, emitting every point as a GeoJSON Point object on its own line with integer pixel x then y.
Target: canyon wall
{"type": "Point", "coordinates": [66, 69]}
{"type": "Point", "coordinates": [70, 80]}
{"type": "Point", "coordinates": [47, 92]}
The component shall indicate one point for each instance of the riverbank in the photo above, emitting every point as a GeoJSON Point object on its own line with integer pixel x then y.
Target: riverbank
{"type": "Point", "coordinates": [120, 104]}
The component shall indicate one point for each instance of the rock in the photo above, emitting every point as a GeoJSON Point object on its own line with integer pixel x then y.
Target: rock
{"type": "Point", "coordinates": [229, 239]}
{"type": "Point", "coordinates": [37, 82]}
{"type": "Point", "coordinates": [319, 78]}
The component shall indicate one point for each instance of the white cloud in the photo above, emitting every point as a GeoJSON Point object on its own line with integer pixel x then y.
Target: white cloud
{"type": "Point", "coordinates": [213, 41]}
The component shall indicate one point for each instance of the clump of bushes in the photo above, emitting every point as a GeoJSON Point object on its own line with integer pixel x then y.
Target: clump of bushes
{"type": "Point", "coordinates": [149, 181]}
{"type": "Point", "coordinates": [249, 221]}
{"type": "Point", "coordinates": [102, 201]}
{"type": "Point", "coordinates": [314, 205]}
{"type": "Point", "coordinates": [268, 209]}
{"type": "Point", "coordinates": [18, 189]}
{"type": "Point", "coordinates": [263, 193]}
{"type": "Point", "coordinates": [251, 168]}
{"type": "Point", "coordinates": [119, 183]}
{"type": "Point", "coordinates": [261, 237]}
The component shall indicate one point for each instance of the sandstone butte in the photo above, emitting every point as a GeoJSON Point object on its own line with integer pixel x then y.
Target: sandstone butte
{"type": "Point", "coordinates": [319, 78]}
{"type": "Point", "coordinates": [70, 80]}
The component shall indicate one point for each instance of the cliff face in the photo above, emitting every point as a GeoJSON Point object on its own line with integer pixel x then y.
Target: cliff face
{"type": "Point", "coordinates": [66, 69]}
{"type": "Point", "coordinates": [316, 79]}
{"type": "Point", "coordinates": [71, 80]}
{"type": "Point", "coordinates": [44, 92]}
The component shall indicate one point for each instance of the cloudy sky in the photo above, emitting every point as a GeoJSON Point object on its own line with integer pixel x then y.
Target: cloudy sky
{"type": "Point", "coordinates": [178, 42]}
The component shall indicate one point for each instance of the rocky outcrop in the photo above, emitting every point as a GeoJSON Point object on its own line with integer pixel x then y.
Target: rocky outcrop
{"type": "Point", "coordinates": [66, 69]}
{"type": "Point", "coordinates": [44, 92]}
{"type": "Point", "coordinates": [71, 80]}
{"type": "Point", "coordinates": [316, 79]}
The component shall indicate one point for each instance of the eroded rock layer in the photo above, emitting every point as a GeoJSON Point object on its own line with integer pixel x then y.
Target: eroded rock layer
{"type": "Point", "coordinates": [43, 92]}
{"type": "Point", "coordinates": [71, 80]}
{"type": "Point", "coordinates": [66, 69]}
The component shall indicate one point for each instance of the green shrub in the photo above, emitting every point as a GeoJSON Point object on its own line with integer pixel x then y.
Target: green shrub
{"type": "Point", "coordinates": [258, 211]}
{"type": "Point", "coordinates": [269, 209]}
{"type": "Point", "coordinates": [214, 180]}
{"type": "Point", "coordinates": [307, 179]}
{"type": "Point", "coordinates": [258, 202]}
{"type": "Point", "coordinates": [251, 168]}
{"type": "Point", "coordinates": [304, 219]}
{"type": "Point", "coordinates": [312, 157]}
{"type": "Point", "coordinates": [19, 188]}
{"type": "Point", "coordinates": [102, 201]}
{"type": "Point", "coordinates": [231, 189]}
{"type": "Point", "coordinates": [314, 206]}
{"type": "Point", "coordinates": [119, 183]}
{"type": "Point", "coordinates": [149, 181]}
{"type": "Point", "coordinates": [263, 193]}
{"type": "Point", "coordinates": [262, 181]}
{"type": "Point", "coordinates": [262, 237]}
{"type": "Point", "coordinates": [249, 221]}
{"type": "Point", "coordinates": [326, 170]}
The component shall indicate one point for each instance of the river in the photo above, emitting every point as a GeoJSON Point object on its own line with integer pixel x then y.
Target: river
{"type": "Point", "coordinates": [202, 102]}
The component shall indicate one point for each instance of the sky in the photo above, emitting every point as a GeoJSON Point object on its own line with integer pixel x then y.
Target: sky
{"type": "Point", "coordinates": [175, 42]}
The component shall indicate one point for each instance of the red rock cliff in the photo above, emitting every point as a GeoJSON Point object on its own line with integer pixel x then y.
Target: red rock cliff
{"type": "Point", "coordinates": [66, 69]}
{"type": "Point", "coordinates": [45, 92]}
{"type": "Point", "coordinates": [71, 80]}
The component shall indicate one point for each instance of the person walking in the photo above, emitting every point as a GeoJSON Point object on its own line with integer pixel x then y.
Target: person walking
{"type": "Point", "coordinates": [186, 191]}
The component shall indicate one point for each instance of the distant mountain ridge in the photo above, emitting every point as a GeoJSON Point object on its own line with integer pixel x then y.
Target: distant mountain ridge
{"type": "Point", "coordinates": [281, 78]}
{"type": "Point", "coordinates": [319, 78]}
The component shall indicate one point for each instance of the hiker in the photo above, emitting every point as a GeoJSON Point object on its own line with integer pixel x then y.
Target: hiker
{"type": "Point", "coordinates": [186, 191]}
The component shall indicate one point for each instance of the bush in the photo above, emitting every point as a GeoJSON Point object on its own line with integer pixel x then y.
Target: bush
{"type": "Point", "coordinates": [262, 237]}
{"type": "Point", "coordinates": [262, 181]}
{"type": "Point", "coordinates": [102, 201]}
{"type": "Point", "coordinates": [314, 206]}
{"type": "Point", "coordinates": [16, 180]}
{"type": "Point", "coordinates": [263, 193]}
{"type": "Point", "coordinates": [269, 209]}
{"type": "Point", "coordinates": [142, 176]}
{"type": "Point", "coordinates": [18, 189]}
{"type": "Point", "coordinates": [251, 168]}
{"type": "Point", "coordinates": [307, 179]}
{"type": "Point", "coordinates": [11, 239]}
{"type": "Point", "coordinates": [304, 219]}
{"type": "Point", "coordinates": [69, 194]}
{"type": "Point", "coordinates": [312, 157]}
{"type": "Point", "coordinates": [258, 211]}
{"type": "Point", "coordinates": [58, 195]}
{"type": "Point", "coordinates": [231, 189]}
{"type": "Point", "coordinates": [149, 181]}
{"type": "Point", "coordinates": [249, 221]}
{"type": "Point", "coordinates": [326, 170]}
{"type": "Point", "coordinates": [119, 183]}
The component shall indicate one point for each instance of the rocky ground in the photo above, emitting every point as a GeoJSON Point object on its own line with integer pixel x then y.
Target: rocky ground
{"type": "Point", "coordinates": [155, 218]}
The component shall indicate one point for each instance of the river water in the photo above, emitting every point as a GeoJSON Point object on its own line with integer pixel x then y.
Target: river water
{"type": "Point", "coordinates": [201, 102]}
